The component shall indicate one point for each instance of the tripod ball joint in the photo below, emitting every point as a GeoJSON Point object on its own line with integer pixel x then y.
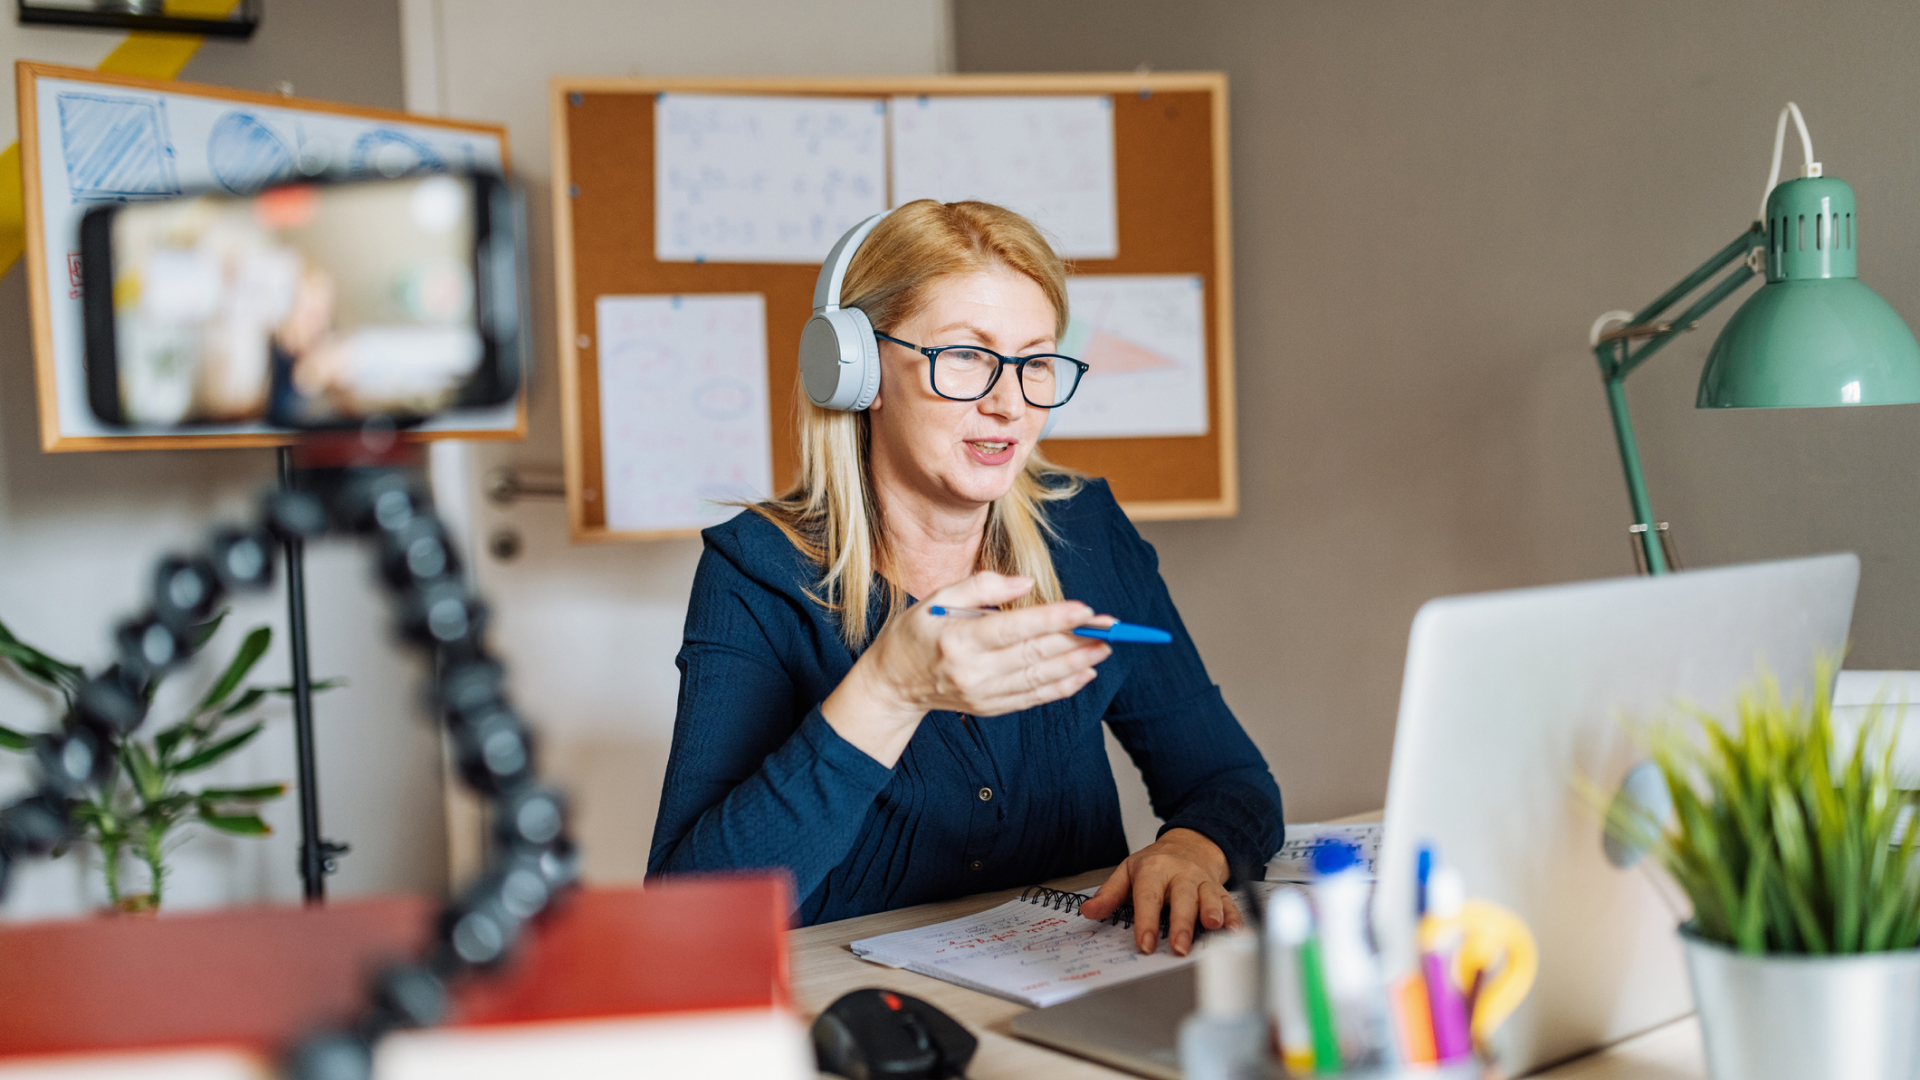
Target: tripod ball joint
{"type": "Point", "coordinates": [494, 751]}
{"type": "Point", "coordinates": [109, 706]}
{"type": "Point", "coordinates": [380, 500]}
{"type": "Point", "coordinates": [295, 515]}
{"type": "Point", "coordinates": [185, 591]}
{"type": "Point", "coordinates": [334, 1055]}
{"type": "Point", "coordinates": [34, 826]}
{"type": "Point", "coordinates": [149, 646]}
{"type": "Point", "coordinates": [531, 817]}
{"type": "Point", "coordinates": [417, 553]}
{"type": "Point", "coordinates": [444, 616]}
{"type": "Point", "coordinates": [408, 996]}
{"type": "Point", "coordinates": [73, 761]}
{"type": "Point", "coordinates": [243, 558]}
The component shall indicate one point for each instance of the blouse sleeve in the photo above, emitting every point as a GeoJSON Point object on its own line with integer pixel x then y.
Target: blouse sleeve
{"type": "Point", "coordinates": [746, 787]}
{"type": "Point", "coordinates": [1202, 771]}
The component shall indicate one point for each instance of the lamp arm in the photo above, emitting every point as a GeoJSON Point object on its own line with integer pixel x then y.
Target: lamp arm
{"type": "Point", "coordinates": [1617, 357]}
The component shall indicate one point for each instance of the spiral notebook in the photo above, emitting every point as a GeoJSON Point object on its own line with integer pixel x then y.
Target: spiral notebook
{"type": "Point", "coordinates": [1035, 949]}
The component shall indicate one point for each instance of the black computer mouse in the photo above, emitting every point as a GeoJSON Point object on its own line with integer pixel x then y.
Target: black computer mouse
{"type": "Point", "coordinates": [873, 1034]}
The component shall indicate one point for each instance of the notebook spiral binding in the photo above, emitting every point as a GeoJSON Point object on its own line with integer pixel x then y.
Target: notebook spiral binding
{"type": "Point", "coordinates": [1060, 900]}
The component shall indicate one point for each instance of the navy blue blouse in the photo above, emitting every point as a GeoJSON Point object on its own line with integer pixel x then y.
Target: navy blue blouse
{"type": "Point", "coordinates": [758, 779]}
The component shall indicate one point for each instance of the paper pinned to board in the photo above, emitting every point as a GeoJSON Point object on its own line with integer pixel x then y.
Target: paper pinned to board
{"type": "Point", "coordinates": [1050, 158]}
{"type": "Point", "coordinates": [740, 178]}
{"type": "Point", "coordinates": [684, 423]}
{"type": "Point", "coordinates": [1144, 337]}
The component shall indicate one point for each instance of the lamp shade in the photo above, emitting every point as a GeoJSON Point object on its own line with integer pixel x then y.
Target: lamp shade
{"type": "Point", "coordinates": [1813, 335]}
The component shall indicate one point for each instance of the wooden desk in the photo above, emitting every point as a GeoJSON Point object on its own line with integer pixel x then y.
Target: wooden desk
{"type": "Point", "coordinates": [824, 968]}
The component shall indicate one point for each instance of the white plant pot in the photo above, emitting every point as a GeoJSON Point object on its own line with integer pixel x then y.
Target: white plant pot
{"type": "Point", "coordinates": [1795, 1017]}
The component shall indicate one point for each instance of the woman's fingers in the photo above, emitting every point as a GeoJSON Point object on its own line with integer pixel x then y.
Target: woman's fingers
{"type": "Point", "coordinates": [1149, 893]}
{"type": "Point", "coordinates": [1183, 903]}
{"type": "Point", "coordinates": [1214, 905]}
{"type": "Point", "coordinates": [984, 589]}
{"type": "Point", "coordinates": [1111, 894]}
{"type": "Point", "coordinates": [1007, 629]}
{"type": "Point", "coordinates": [1019, 696]}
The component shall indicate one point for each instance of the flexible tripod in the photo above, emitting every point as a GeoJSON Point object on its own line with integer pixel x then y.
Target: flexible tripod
{"type": "Point", "coordinates": [530, 858]}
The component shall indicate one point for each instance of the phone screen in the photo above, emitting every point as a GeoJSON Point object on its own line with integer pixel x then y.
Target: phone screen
{"type": "Point", "coordinates": [305, 306]}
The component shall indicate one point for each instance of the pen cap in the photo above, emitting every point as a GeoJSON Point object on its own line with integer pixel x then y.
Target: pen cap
{"type": "Point", "coordinates": [1228, 979]}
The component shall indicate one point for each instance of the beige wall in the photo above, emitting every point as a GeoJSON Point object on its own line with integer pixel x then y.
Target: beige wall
{"type": "Point", "coordinates": [79, 533]}
{"type": "Point", "coordinates": [1432, 201]}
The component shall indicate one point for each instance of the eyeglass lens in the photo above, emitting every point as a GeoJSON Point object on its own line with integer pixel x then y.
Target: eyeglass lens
{"type": "Point", "coordinates": [968, 374]}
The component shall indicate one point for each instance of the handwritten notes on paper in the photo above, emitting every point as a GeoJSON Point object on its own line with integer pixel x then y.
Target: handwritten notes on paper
{"type": "Point", "coordinates": [1295, 860]}
{"type": "Point", "coordinates": [1144, 337]}
{"type": "Point", "coordinates": [1050, 158]}
{"type": "Point", "coordinates": [739, 178]}
{"type": "Point", "coordinates": [1021, 951]}
{"type": "Point", "coordinates": [683, 408]}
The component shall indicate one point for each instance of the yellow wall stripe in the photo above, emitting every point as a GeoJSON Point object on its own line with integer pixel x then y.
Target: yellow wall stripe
{"type": "Point", "coordinates": [152, 56]}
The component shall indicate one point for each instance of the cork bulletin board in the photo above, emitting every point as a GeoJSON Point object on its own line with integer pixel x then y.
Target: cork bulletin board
{"type": "Point", "coordinates": [1171, 214]}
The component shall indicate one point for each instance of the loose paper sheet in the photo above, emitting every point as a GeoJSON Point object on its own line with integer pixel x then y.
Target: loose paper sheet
{"type": "Point", "coordinates": [683, 408]}
{"type": "Point", "coordinates": [1145, 337]}
{"type": "Point", "coordinates": [1295, 860]}
{"type": "Point", "coordinates": [764, 179]}
{"type": "Point", "coordinates": [1050, 158]}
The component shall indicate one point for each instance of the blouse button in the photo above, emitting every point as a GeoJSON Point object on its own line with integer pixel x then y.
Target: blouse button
{"type": "Point", "coordinates": [986, 794]}
{"type": "Point", "coordinates": [975, 864]}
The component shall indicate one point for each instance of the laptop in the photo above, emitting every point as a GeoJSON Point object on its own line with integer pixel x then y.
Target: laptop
{"type": "Point", "coordinates": [1507, 697]}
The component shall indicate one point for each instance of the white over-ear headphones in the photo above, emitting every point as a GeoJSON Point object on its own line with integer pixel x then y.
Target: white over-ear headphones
{"type": "Point", "coordinates": [839, 355]}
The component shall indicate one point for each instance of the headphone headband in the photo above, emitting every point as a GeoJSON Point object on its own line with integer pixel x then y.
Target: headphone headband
{"type": "Point", "coordinates": [833, 272]}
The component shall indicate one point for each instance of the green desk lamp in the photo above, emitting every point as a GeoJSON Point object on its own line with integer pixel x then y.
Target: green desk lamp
{"type": "Point", "coordinates": [1813, 335]}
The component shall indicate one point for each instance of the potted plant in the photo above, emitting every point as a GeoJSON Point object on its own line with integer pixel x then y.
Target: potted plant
{"type": "Point", "coordinates": [137, 812]}
{"type": "Point", "coordinates": [1792, 841]}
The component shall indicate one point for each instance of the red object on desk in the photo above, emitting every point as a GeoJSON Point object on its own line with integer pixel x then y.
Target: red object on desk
{"type": "Point", "coordinates": [261, 977]}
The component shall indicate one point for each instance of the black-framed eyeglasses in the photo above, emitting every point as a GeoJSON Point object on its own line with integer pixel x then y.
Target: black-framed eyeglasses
{"type": "Point", "coordinates": [968, 372]}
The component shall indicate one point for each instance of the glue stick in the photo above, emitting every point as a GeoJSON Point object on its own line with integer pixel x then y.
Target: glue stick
{"type": "Point", "coordinates": [1225, 1038]}
{"type": "Point", "coordinates": [1354, 984]}
{"type": "Point", "coordinates": [1289, 923]}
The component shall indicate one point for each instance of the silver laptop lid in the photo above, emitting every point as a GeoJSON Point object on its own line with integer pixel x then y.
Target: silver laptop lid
{"type": "Point", "coordinates": [1508, 696]}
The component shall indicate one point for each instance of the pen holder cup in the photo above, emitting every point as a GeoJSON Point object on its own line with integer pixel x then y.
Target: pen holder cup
{"type": "Point", "coordinates": [1464, 1070]}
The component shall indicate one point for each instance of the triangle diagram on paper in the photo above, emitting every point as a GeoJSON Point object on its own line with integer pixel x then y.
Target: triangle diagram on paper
{"type": "Point", "coordinates": [1111, 354]}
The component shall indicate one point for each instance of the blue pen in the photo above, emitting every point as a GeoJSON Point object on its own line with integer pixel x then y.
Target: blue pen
{"type": "Point", "coordinates": [1120, 632]}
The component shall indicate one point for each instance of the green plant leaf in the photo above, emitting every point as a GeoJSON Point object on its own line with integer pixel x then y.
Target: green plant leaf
{"type": "Point", "coordinates": [38, 665]}
{"type": "Point", "coordinates": [218, 750]}
{"type": "Point", "coordinates": [15, 740]}
{"type": "Point", "coordinates": [247, 794]}
{"type": "Point", "coordinates": [237, 824]}
{"type": "Point", "coordinates": [149, 782]}
{"type": "Point", "coordinates": [167, 741]}
{"type": "Point", "coordinates": [251, 649]}
{"type": "Point", "coordinates": [318, 685]}
{"type": "Point", "coordinates": [247, 700]}
{"type": "Point", "coordinates": [203, 632]}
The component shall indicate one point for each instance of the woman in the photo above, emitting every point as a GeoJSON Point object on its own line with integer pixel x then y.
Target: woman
{"type": "Point", "coordinates": [830, 724]}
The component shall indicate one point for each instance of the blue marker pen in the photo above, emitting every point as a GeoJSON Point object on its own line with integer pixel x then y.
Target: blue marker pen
{"type": "Point", "coordinates": [1118, 633]}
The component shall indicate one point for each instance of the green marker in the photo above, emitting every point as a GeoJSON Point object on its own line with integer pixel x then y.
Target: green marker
{"type": "Point", "coordinates": [1326, 1044]}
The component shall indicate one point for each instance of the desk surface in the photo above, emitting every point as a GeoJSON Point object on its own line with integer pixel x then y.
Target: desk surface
{"type": "Point", "coordinates": [824, 968]}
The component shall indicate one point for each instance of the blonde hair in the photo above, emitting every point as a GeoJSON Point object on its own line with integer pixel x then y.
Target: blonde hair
{"type": "Point", "coordinates": [830, 513]}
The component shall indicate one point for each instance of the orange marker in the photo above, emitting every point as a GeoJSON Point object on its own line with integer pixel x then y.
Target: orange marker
{"type": "Point", "coordinates": [1414, 1021]}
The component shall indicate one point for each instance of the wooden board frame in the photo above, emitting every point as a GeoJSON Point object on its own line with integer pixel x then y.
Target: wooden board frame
{"type": "Point", "coordinates": [26, 72]}
{"type": "Point", "coordinates": [585, 507]}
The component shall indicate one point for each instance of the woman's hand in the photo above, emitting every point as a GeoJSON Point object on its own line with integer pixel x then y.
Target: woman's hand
{"type": "Point", "coordinates": [1183, 872]}
{"type": "Point", "coordinates": [989, 666]}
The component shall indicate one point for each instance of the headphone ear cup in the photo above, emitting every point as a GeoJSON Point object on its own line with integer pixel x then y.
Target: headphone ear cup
{"type": "Point", "coordinates": [840, 360]}
{"type": "Point", "coordinates": [866, 371]}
